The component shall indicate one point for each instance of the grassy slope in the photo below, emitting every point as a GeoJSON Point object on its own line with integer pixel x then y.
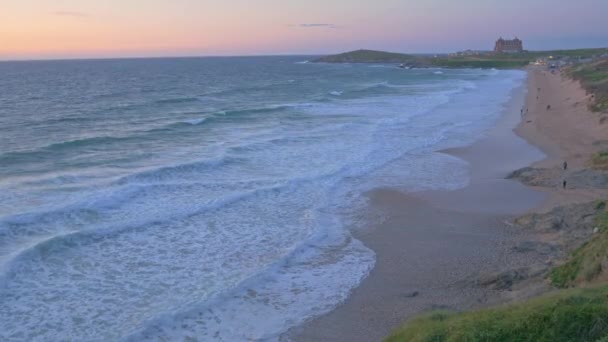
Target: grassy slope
{"type": "Point", "coordinates": [575, 314]}
{"type": "Point", "coordinates": [568, 315]}
{"type": "Point", "coordinates": [594, 78]}
{"type": "Point", "coordinates": [585, 264]}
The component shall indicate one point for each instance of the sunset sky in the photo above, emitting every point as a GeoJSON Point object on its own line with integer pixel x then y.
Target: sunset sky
{"type": "Point", "coordinates": [32, 29]}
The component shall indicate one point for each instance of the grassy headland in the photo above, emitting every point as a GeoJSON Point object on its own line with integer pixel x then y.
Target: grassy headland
{"type": "Point", "coordinates": [367, 56]}
{"type": "Point", "coordinates": [487, 60]}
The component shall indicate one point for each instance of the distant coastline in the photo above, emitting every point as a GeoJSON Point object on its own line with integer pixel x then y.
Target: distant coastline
{"type": "Point", "coordinates": [485, 60]}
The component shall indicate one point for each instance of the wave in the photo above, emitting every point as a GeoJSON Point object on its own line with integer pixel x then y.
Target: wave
{"type": "Point", "coordinates": [50, 151]}
{"type": "Point", "coordinates": [195, 121]}
{"type": "Point", "coordinates": [312, 279]}
{"type": "Point", "coordinates": [177, 100]}
{"type": "Point", "coordinates": [27, 242]}
{"type": "Point", "coordinates": [164, 173]}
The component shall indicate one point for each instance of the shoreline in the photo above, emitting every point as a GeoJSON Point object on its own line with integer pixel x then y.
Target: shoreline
{"type": "Point", "coordinates": [470, 226]}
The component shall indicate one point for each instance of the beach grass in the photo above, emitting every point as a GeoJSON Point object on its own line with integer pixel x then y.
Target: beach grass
{"type": "Point", "coordinates": [594, 78]}
{"type": "Point", "coordinates": [585, 264]}
{"type": "Point", "coordinates": [599, 161]}
{"type": "Point", "coordinates": [565, 315]}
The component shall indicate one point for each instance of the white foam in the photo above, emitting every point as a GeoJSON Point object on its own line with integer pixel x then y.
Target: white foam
{"type": "Point", "coordinates": [244, 242]}
{"type": "Point", "coordinates": [195, 121]}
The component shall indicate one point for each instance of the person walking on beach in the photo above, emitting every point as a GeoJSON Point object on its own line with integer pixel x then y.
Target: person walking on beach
{"type": "Point", "coordinates": [564, 183]}
{"type": "Point", "coordinates": [565, 165]}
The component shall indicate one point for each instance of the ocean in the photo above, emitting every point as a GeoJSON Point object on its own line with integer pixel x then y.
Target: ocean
{"type": "Point", "coordinates": [210, 198]}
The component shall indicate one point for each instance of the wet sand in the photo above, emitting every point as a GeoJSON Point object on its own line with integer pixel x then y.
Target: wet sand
{"type": "Point", "coordinates": [435, 246]}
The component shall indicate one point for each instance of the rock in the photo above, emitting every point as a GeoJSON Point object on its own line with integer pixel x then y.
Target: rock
{"type": "Point", "coordinates": [411, 294]}
{"type": "Point", "coordinates": [596, 230]}
{"type": "Point", "coordinates": [535, 176]}
{"type": "Point", "coordinates": [504, 280]}
{"type": "Point", "coordinates": [544, 177]}
{"type": "Point", "coordinates": [542, 248]}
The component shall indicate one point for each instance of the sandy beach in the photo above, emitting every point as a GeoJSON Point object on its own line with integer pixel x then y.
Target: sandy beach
{"type": "Point", "coordinates": [466, 248]}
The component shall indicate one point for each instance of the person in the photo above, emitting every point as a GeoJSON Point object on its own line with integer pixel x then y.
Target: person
{"type": "Point", "coordinates": [548, 107]}
{"type": "Point", "coordinates": [565, 165]}
{"type": "Point", "coordinates": [564, 183]}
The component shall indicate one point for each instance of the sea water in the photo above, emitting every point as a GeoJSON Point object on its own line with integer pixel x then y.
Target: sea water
{"type": "Point", "coordinates": [211, 198]}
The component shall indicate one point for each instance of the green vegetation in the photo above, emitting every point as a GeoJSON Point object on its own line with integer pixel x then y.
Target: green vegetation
{"type": "Point", "coordinates": [572, 314]}
{"type": "Point", "coordinates": [575, 53]}
{"type": "Point", "coordinates": [490, 61]}
{"type": "Point", "coordinates": [503, 61]}
{"type": "Point", "coordinates": [585, 263]}
{"type": "Point", "coordinates": [594, 78]}
{"type": "Point", "coordinates": [567, 315]}
{"type": "Point", "coordinates": [599, 161]}
{"type": "Point", "coordinates": [367, 56]}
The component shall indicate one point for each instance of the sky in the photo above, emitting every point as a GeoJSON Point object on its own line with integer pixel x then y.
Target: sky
{"type": "Point", "coordinates": [46, 29]}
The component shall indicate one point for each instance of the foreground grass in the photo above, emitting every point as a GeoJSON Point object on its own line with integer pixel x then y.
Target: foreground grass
{"type": "Point", "coordinates": [574, 314]}
{"type": "Point", "coordinates": [585, 263]}
{"type": "Point", "coordinates": [567, 315]}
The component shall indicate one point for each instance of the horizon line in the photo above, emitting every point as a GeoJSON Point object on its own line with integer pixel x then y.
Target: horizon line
{"type": "Point", "coordinates": [59, 59]}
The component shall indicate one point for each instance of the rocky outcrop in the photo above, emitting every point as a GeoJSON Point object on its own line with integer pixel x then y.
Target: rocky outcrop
{"type": "Point", "coordinates": [542, 177]}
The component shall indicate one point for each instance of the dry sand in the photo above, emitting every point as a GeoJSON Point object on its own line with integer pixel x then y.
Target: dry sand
{"type": "Point", "coordinates": [567, 131]}
{"type": "Point", "coordinates": [443, 249]}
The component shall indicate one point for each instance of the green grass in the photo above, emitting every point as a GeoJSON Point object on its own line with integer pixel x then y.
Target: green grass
{"type": "Point", "coordinates": [576, 53]}
{"type": "Point", "coordinates": [367, 56]}
{"type": "Point", "coordinates": [567, 315]}
{"type": "Point", "coordinates": [477, 62]}
{"type": "Point", "coordinates": [571, 314]}
{"type": "Point", "coordinates": [585, 263]}
{"type": "Point", "coordinates": [599, 161]}
{"type": "Point", "coordinates": [594, 78]}
{"type": "Point", "coordinates": [500, 61]}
